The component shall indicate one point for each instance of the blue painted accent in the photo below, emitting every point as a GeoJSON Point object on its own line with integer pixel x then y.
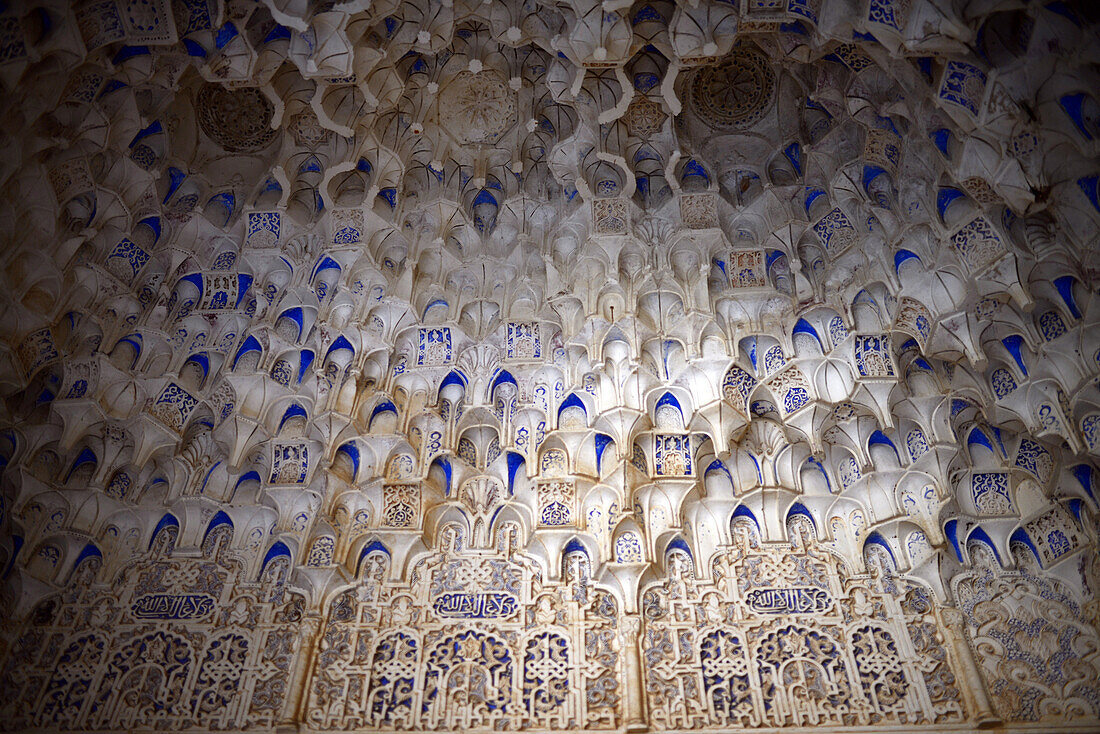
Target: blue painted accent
{"type": "Point", "coordinates": [88, 551]}
{"type": "Point", "coordinates": [151, 130]}
{"type": "Point", "coordinates": [293, 411]}
{"type": "Point", "coordinates": [448, 473]}
{"type": "Point", "coordinates": [1072, 104]}
{"type": "Point", "coordinates": [168, 521]}
{"type": "Point", "coordinates": [227, 200]}
{"type": "Point", "coordinates": [575, 546]}
{"type": "Point", "coordinates": [206, 479]}
{"type": "Point", "coordinates": [880, 438]}
{"type": "Point", "coordinates": [646, 13]}
{"type": "Point", "coordinates": [218, 520]}
{"type": "Point", "coordinates": [455, 377]}
{"type": "Point", "coordinates": [695, 168]}
{"type": "Point", "coordinates": [278, 33]}
{"type": "Point", "coordinates": [800, 509]}
{"type": "Point", "coordinates": [645, 81]}
{"type": "Point", "coordinates": [340, 343]}
{"type": "Point", "coordinates": [194, 279]}
{"type": "Point", "coordinates": [389, 195]}
{"type": "Point", "coordinates": [922, 363]}
{"type": "Point", "coordinates": [718, 466]}
{"type": "Point", "coordinates": [16, 546]}
{"type": "Point", "coordinates": [1075, 506]}
{"type": "Point", "coordinates": [901, 256]}
{"type": "Point", "coordinates": [326, 263]}
{"type": "Point", "coordinates": [1020, 536]}
{"type": "Point", "coordinates": [945, 196]}
{"type": "Point", "coordinates": [812, 195]}
{"type": "Point", "coordinates": [1013, 344]}
{"type": "Point", "coordinates": [886, 123]}
{"type": "Point", "coordinates": [602, 442]}
{"type": "Point", "coordinates": [1065, 290]}
{"type": "Point", "coordinates": [436, 302]}
{"type": "Point", "coordinates": [942, 138]}
{"type": "Point", "coordinates": [202, 361]}
{"type": "Point", "coordinates": [679, 544]}
{"type": "Point", "coordinates": [876, 539]}
{"type": "Point", "coordinates": [363, 165]}
{"type": "Point", "coordinates": [295, 315]}
{"type": "Point", "coordinates": [112, 85]}
{"type": "Point", "coordinates": [515, 461]}
{"type": "Point", "coordinates": [250, 345]}
{"type": "Point", "coordinates": [980, 536]}
{"type": "Point", "coordinates": [373, 546]}
{"type": "Point", "coordinates": [977, 436]}
{"type": "Point", "coordinates": [86, 456]}
{"type": "Point", "coordinates": [44, 19]}
{"type": "Point", "coordinates": [924, 65]}
{"type": "Point", "coordinates": [306, 359]}
{"type": "Point", "coordinates": [1000, 442]}
{"type": "Point", "coordinates": [1083, 473]}
{"type": "Point", "coordinates": [484, 197]}
{"type": "Point", "coordinates": [135, 341]}
{"type": "Point", "coordinates": [249, 477]}
{"type": "Point", "coordinates": [669, 399]}
{"type": "Point", "coordinates": [175, 178]}
{"type": "Point", "coordinates": [821, 468]}
{"type": "Point", "coordinates": [1062, 9]}
{"type": "Point", "coordinates": [870, 173]}
{"type": "Point", "coordinates": [1089, 185]}
{"type": "Point", "coordinates": [503, 377]}
{"type": "Point", "coordinates": [225, 34]}
{"type": "Point", "coordinates": [129, 52]}
{"type": "Point", "coordinates": [383, 407]}
{"type": "Point", "coordinates": [277, 549]}
{"type": "Point", "coordinates": [743, 511]}
{"type": "Point", "coordinates": [572, 402]}
{"type": "Point", "coordinates": [352, 452]}
{"type": "Point", "coordinates": [804, 327]}
{"type": "Point", "coordinates": [772, 256]}
{"type": "Point", "coordinates": [794, 155]}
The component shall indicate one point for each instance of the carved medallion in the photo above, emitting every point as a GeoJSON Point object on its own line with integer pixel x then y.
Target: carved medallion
{"type": "Point", "coordinates": [238, 120]}
{"type": "Point", "coordinates": [736, 93]}
{"type": "Point", "coordinates": [477, 108]}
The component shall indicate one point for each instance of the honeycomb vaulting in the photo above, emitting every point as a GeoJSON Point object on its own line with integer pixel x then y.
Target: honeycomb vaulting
{"type": "Point", "coordinates": [549, 365]}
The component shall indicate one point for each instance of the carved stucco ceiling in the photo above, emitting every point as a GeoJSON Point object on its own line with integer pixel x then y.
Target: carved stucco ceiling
{"type": "Point", "coordinates": [316, 265]}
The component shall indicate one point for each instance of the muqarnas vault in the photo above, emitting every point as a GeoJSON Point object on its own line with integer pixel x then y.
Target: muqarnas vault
{"type": "Point", "coordinates": [532, 365]}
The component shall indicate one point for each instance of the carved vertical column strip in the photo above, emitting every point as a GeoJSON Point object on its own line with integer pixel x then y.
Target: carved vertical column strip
{"type": "Point", "coordinates": [309, 646]}
{"type": "Point", "coordinates": [977, 698]}
{"type": "Point", "coordinates": [635, 716]}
